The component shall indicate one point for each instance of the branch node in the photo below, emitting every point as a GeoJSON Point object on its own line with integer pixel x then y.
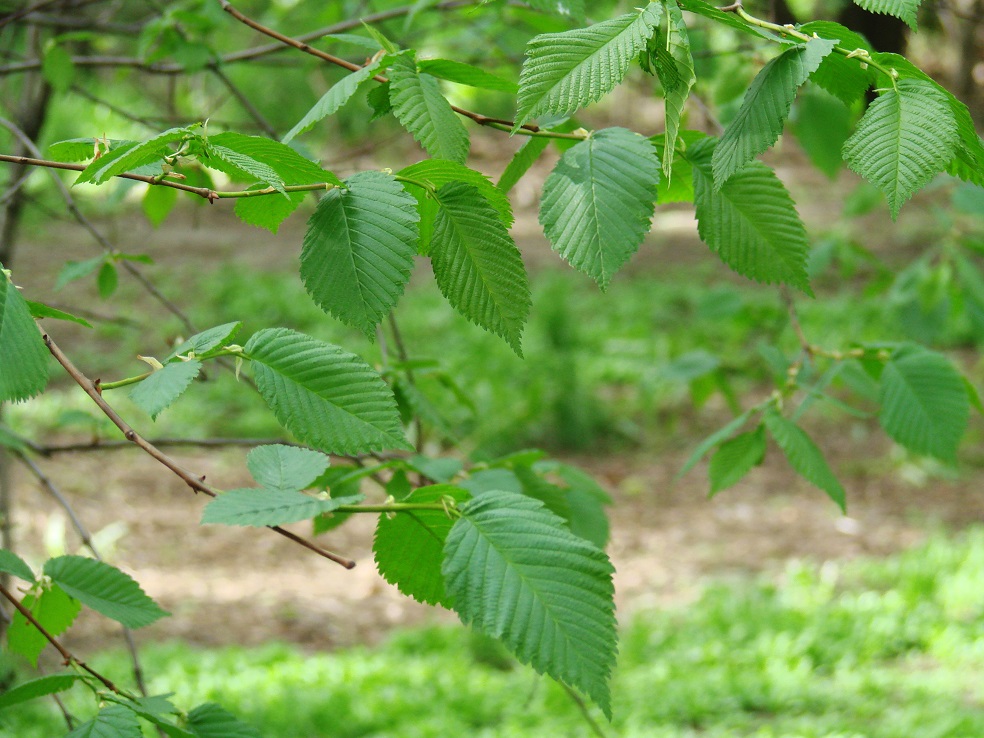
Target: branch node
{"type": "Point", "coordinates": [131, 435]}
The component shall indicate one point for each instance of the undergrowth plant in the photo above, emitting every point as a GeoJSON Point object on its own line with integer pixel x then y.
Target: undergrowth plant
{"type": "Point", "coordinates": [515, 545]}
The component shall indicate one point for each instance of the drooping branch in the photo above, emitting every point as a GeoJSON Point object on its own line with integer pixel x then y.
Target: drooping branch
{"type": "Point", "coordinates": [195, 482]}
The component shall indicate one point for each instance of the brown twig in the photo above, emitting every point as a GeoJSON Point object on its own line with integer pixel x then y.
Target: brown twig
{"type": "Point", "coordinates": [196, 483]}
{"type": "Point", "coordinates": [794, 321]}
{"type": "Point", "coordinates": [65, 653]}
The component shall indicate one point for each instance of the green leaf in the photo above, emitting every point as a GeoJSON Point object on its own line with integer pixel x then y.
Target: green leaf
{"type": "Point", "coordinates": [515, 572]}
{"type": "Point", "coordinates": [77, 269]}
{"type": "Point", "coordinates": [339, 94]}
{"type": "Point", "coordinates": [160, 711]}
{"type": "Point", "coordinates": [521, 162]}
{"type": "Point", "coordinates": [281, 468]}
{"type": "Point", "coordinates": [240, 165]}
{"type": "Point", "coordinates": [435, 173]}
{"type": "Point", "coordinates": [258, 507]}
{"type": "Point", "coordinates": [206, 341]}
{"type": "Point", "coordinates": [107, 279]}
{"type": "Point", "coordinates": [440, 469]}
{"type": "Point", "coordinates": [130, 156]}
{"type": "Point", "coordinates": [359, 248]}
{"type": "Point", "coordinates": [845, 79]}
{"type": "Point", "coordinates": [421, 108]}
{"type": "Point", "coordinates": [924, 402]}
{"type": "Point", "coordinates": [804, 456]}
{"type": "Point", "coordinates": [751, 222]}
{"type": "Point", "coordinates": [675, 95]}
{"type": "Point", "coordinates": [822, 125]}
{"type": "Point", "coordinates": [409, 546]}
{"type": "Point", "coordinates": [490, 480]}
{"type": "Point", "coordinates": [155, 393]}
{"type": "Point", "coordinates": [907, 136]}
{"type": "Point", "coordinates": [212, 721]}
{"type": "Point", "coordinates": [11, 563]}
{"type": "Point", "coordinates": [82, 149]}
{"type": "Point", "coordinates": [379, 100]}
{"type": "Point", "coordinates": [904, 9]}
{"type": "Point", "coordinates": [105, 589]}
{"type": "Point", "coordinates": [598, 201]}
{"type": "Point", "coordinates": [466, 74]}
{"type": "Point", "coordinates": [58, 68]}
{"type": "Point", "coordinates": [699, 7]}
{"type": "Point", "coordinates": [115, 721]}
{"type": "Point", "coordinates": [735, 458]}
{"type": "Point", "coordinates": [721, 434]}
{"type": "Point", "coordinates": [587, 501]}
{"type": "Point", "coordinates": [35, 688]}
{"type": "Point", "coordinates": [565, 71]}
{"type": "Point", "coordinates": [158, 202]}
{"type": "Point", "coordinates": [476, 264]}
{"type": "Point", "coordinates": [765, 108]}
{"type": "Point", "coordinates": [327, 397]}
{"type": "Point", "coordinates": [23, 355]}
{"type": "Point", "coordinates": [53, 609]}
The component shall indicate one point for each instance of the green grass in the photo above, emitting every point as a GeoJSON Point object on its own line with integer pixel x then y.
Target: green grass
{"type": "Point", "coordinates": [874, 649]}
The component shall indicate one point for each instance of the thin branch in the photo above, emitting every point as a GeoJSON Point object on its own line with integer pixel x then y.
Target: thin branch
{"type": "Point", "coordinates": [401, 351]}
{"type": "Point", "coordinates": [246, 104]}
{"type": "Point", "coordinates": [109, 445]}
{"type": "Point", "coordinates": [87, 541]}
{"type": "Point", "coordinates": [18, 14]}
{"type": "Point", "coordinates": [585, 713]}
{"type": "Point", "coordinates": [196, 483]}
{"type": "Point", "coordinates": [70, 659]}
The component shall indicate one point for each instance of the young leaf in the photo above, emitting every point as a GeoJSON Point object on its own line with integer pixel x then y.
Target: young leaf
{"type": "Point", "coordinates": [409, 546]}
{"type": "Point", "coordinates": [212, 721]}
{"type": "Point", "coordinates": [903, 9]}
{"type": "Point", "coordinates": [328, 398]}
{"type": "Point", "coordinates": [476, 264]}
{"type": "Point", "coordinates": [846, 79]}
{"type": "Point", "coordinates": [751, 222]}
{"type": "Point", "coordinates": [466, 74]}
{"type": "Point", "coordinates": [53, 609]}
{"type": "Point", "coordinates": [281, 468]}
{"type": "Point", "coordinates": [130, 156]}
{"type": "Point", "coordinates": [521, 162]}
{"type": "Point", "coordinates": [262, 507]}
{"type": "Point", "coordinates": [202, 343]}
{"type": "Point", "coordinates": [107, 279]}
{"type": "Point", "coordinates": [115, 721]}
{"type": "Point", "coordinates": [599, 200]}
{"type": "Point", "coordinates": [339, 94]}
{"type": "Point", "coordinates": [38, 688]}
{"type": "Point", "coordinates": [735, 458]}
{"type": "Point", "coordinates": [155, 393]}
{"type": "Point", "coordinates": [105, 589]}
{"type": "Point", "coordinates": [549, 603]}
{"type": "Point", "coordinates": [11, 563]}
{"type": "Point", "coordinates": [58, 68]}
{"type": "Point", "coordinates": [157, 203]}
{"type": "Point", "coordinates": [924, 402]}
{"type": "Point", "coordinates": [804, 456]}
{"type": "Point", "coordinates": [24, 368]}
{"type": "Point", "coordinates": [907, 136]}
{"type": "Point", "coordinates": [359, 248]}
{"type": "Point", "coordinates": [721, 434]}
{"type": "Point", "coordinates": [683, 76]}
{"type": "Point", "coordinates": [565, 71]}
{"type": "Point", "coordinates": [421, 108]}
{"type": "Point", "coordinates": [765, 108]}
{"type": "Point", "coordinates": [240, 165]}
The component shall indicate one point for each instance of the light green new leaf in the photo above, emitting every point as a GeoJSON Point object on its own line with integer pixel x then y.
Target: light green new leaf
{"type": "Point", "coordinates": [23, 355]}
{"type": "Point", "coordinates": [804, 456]}
{"type": "Point", "coordinates": [438, 172]}
{"type": "Point", "coordinates": [515, 572]}
{"type": "Point", "coordinates": [598, 201]}
{"type": "Point", "coordinates": [924, 403]}
{"type": "Point", "coordinates": [212, 721]}
{"type": "Point", "coordinates": [258, 507]}
{"type": "Point", "coordinates": [906, 10]}
{"type": "Point", "coordinates": [202, 343]}
{"type": "Point", "coordinates": [11, 563]}
{"type": "Point", "coordinates": [565, 71]}
{"type": "Point", "coordinates": [675, 95]}
{"type": "Point", "coordinates": [283, 468]}
{"type": "Point", "coordinates": [53, 609]}
{"type": "Point", "coordinates": [327, 397]}
{"type": "Point", "coordinates": [522, 160]}
{"type": "Point", "coordinates": [907, 136]}
{"type": "Point", "coordinates": [846, 79]}
{"type": "Point", "coordinates": [115, 721]}
{"type": "Point", "coordinates": [38, 688]}
{"type": "Point", "coordinates": [158, 202]}
{"type": "Point", "coordinates": [735, 458]}
{"type": "Point", "coordinates": [409, 546]}
{"type": "Point", "coordinates": [40, 310]}
{"type": "Point", "coordinates": [105, 589]}
{"type": "Point", "coordinates": [359, 248]}
{"type": "Point", "coordinates": [476, 264]}
{"type": "Point", "coordinates": [466, 74]}
{"type": "Point", "coordinates": [155, 393]}
{"type": "Point", "coordinates": [241, 165]}
{"type": "Point", "coordinates": [765, 108]}
{"type": "Point", "coordinates": [58, 68]}
{"type": "Point", "coordinates": [128, 157]}
{"type": "Point", "coordinates": [82, 149]}
{"type": "Point", "coordinates": [751, 222]}
{"type": "Point", "coordinates": [339, 94]}
{"type": "Point", "coordinates": [421, 108]}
